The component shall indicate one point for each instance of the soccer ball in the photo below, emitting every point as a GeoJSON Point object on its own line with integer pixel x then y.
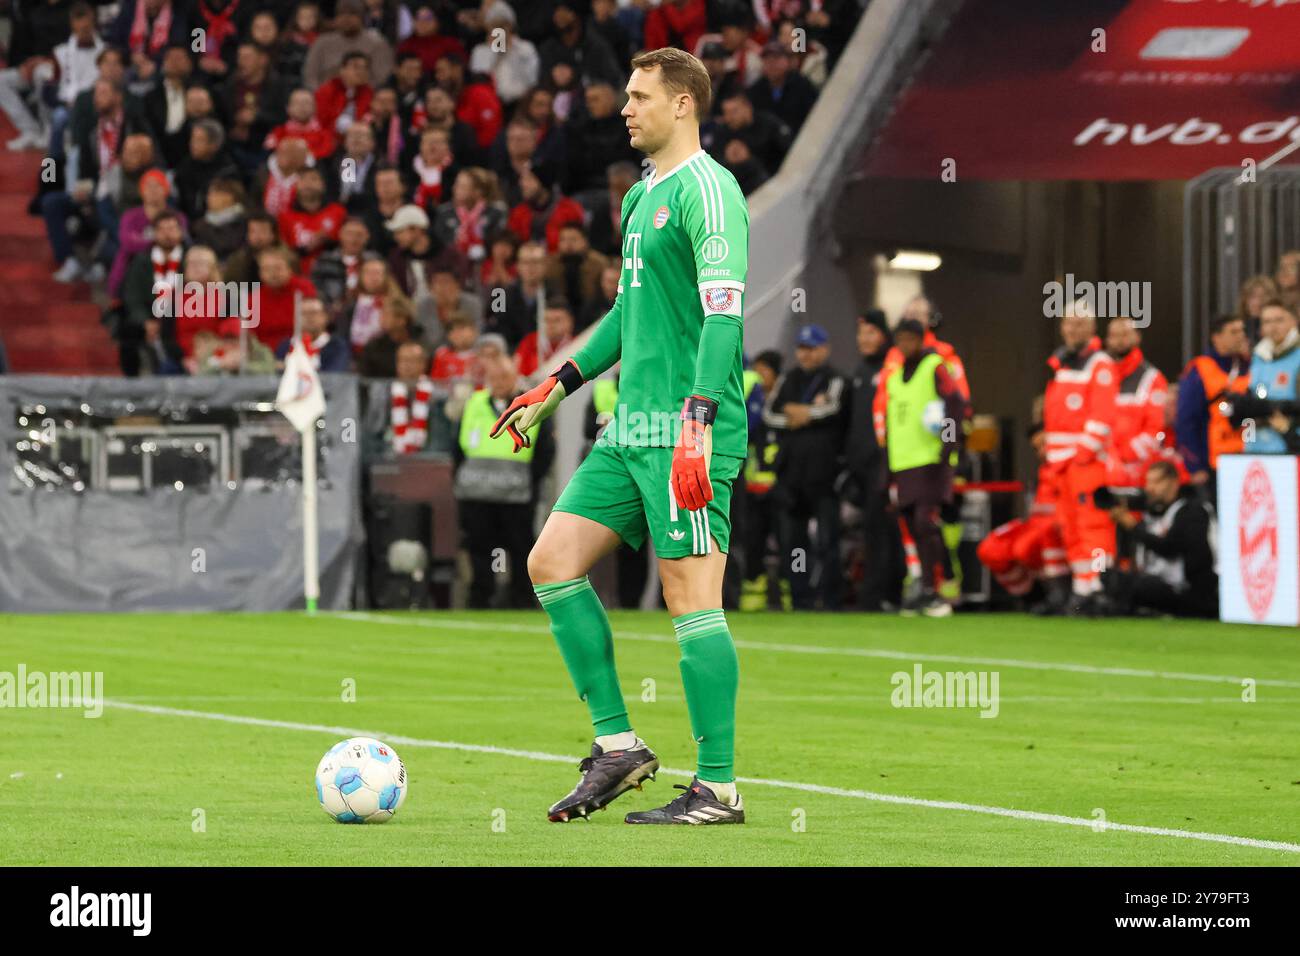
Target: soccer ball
{"type": "Point", "coordinates": [361, 780]}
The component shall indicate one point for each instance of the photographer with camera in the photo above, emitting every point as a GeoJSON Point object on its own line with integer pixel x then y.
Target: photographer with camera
{"type": "Point", "coordinates": [1174, 565]}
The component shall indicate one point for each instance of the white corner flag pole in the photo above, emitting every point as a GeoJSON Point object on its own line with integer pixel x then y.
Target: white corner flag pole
{"type": "Point", "coordinates": [310, 537]}
{"type": "Point", "coordinates": [310, 554]}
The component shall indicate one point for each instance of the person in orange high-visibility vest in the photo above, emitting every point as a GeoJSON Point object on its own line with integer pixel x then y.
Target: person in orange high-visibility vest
{"type": "Point", "coordinates": [1204, 431]}
{"type": "Point", "coordinates": [1078, 417]}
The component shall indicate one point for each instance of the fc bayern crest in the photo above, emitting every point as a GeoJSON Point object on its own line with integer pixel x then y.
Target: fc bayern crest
{"type": "Point", "coordinates": [719, 300]}
{"type": "Point", "coordinates": [1257, 540]}
{"type": "Point", "coordinates": [661, 217]}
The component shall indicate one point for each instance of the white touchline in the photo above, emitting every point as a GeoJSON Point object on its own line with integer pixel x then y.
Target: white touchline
{"type": "Point", "coordinates": [398, 739]}
{"type": "Point", "coordinates": [461, 624]}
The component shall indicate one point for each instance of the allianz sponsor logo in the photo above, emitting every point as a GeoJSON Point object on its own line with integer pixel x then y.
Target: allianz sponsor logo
{"type": "Point", "coordinates": [715, 273]}
{"type": "Point", "coordinates": [84, 689]}
{"type": "Point", "coordinates": [927, 689]}
{"type": "Point", "coordinates": [75, 908]}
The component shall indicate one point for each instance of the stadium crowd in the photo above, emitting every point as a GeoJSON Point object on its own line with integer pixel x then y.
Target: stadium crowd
{"type": "Point", "coordinates": [423, 175]}
{"type": "Point", "coordinates": [429, 193]}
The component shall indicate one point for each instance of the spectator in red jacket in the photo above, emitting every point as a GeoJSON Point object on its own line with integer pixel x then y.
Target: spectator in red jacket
{"type": "Point", "coordinates": [273, 305]}
{"type": "Point", "coordinates": [305, 125]}
{"type": "Point", "coordinates": [427, 41]}
{"type": "Point", "coordinates": [543, 212]}
{"type": "Point", "coordinates": [476, 102]}
{"type": "Point", "coordinates": [454, 361]}
{"type": "Point", "coordinates": [311, 225]}
{"type": "Point", "coordinates": [678, 23]}
{"type": "Point", "coordinates": [345, 99]}
{"type": "Point", "coordinates": [557, 324]}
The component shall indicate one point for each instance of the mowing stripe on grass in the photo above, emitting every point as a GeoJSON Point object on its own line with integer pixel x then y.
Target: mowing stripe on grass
{"type": "Point", "coordinates": [462, 624]}
{"type": "Point", "coordinates": [758, 781]}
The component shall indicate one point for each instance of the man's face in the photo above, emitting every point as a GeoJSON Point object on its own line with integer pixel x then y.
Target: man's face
{"type": "Point", "coordinates": [137, 152]}
{"type": "Point", "coordinates": [600, 100]}
{"type": "Point", "coordinates": [302, 106]}
{"type": "Point", "coordinates": [461, 336]}
{"type": "Point", "coordinates": [353, 237]}
{"type": "Point", "coordinates": [1160, 488]}
{"type": "Point", "coordinates": [83, 28]}
{"type": "Point", "coordinates": [437, 104]}
{"type": "Point", "coordinates": [349, 24]}
{"type": "Point", "coordinates": [733, 37]}
{"type": "Point", "coordinates": [520, 141]}
{"type": "Point", "coordinates": [870, 338]}
{"type": "Point", "coordinates": [532, 263]}
{"type": "Point", "coordinates": [291, 155]}
{"type": "Point", "coordinates": [775, 67]}
{"type": "Point", "coordinates": [384, 103]}
{"type": "Point", "coordinates": [274, 270]}
{"type": "Point", "coordinates": [176, 64]}
{"type": "Point", "coordinates": [434, 145]}
{"type": "Point", "coordinates": [409, 72]}
{"type": "Point", "coordinates": [572, 242]}
{"type": "Point", "coordinates": [111, 67]}
{"type": "Point", "coordinates": [1275, 323]}
{"type": "Point", "coordinates": [201, 147]}
{"type": "Point", "coordinates": [311, 189]}
{"type": "Point", "coordinates": [260, 234]}
{"type": "Point", "coordinates": [766, 374]}
{"type": "Point", "coordinates": [106, 98]}
{"type": "Point", "coordinates": [426, 23]}
{"type": "Point", "coordinates": [651, 113]}
{"type": "Point", "coordinates": [1076, 331]}
{"type": "Point", "coordinates": [909, 344]}
{"type": "Point", "coordinates": [355, 72]}
{"type": "Point", "coordinates": [1121, 337]}
{"type": "Point", "coordinates": [359, 141]}
{"type": "Point", "coordinates": [557, 323]}
{"type": "Point", "coordinates": [314, 318]}
{"type": "Point", "coordinates": [219, 199]}
{"type": "Point", "coordinates": [198, 103]}
{"type": "Point", "coordinates": [264, 29]}
{"type": "Point", "coordinates": [411, 363]}
{"type": "Point", "coordinates": [444, 287]}
{"type": "Point", "coordinates": [1231, 339]}
{"type": "Point", "coordinates": [448, 73]}
{"type": "Point", "coordinates": [501, 377]}
{"type": "Point", "coordinates": [249, 61]}
{"type": "Point", "coordinates": [167, 234]}
{"type": "Point", "coordinates": [811, 357]}
{"type": "Point", "coordinates": [736, 113]}
{"type": "Point", "coordinates": [408, 237]}
{"type": "Point", "coordinates": [388, 186]}
{"type": "Point", "coordinates": [563, 18]}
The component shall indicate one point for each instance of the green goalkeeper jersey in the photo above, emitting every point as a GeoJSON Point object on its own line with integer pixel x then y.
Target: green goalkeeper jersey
{"type": "Point", "coordinates": [676, 322]}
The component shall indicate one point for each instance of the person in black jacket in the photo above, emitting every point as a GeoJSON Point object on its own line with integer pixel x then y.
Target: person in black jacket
{"type": "Point", "coordinates": [1174, 564]}
{"type": "Point", "coordinates": [783, 91]}
{"type": "Point", "coordinates": [865, 482]}
{"type": "Point", "coordinates": [806, 410]}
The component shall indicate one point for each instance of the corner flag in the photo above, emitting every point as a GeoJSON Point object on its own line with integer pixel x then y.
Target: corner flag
{"type": "Point", "coordinates": [302, 400]}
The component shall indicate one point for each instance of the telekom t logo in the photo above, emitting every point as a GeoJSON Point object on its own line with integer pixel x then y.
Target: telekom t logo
{"type": "Point", "coordinates": [632, 258]}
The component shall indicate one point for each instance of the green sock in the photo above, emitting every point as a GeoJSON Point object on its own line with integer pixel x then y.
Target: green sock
{"type": "Point", "coordinates": [710, 676]}
{"type": "Point", "coordinates": [586, 642]}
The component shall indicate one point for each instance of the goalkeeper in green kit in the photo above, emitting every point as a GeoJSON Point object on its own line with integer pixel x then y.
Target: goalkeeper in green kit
{"type": "Point", "coordinates": [663, 468]}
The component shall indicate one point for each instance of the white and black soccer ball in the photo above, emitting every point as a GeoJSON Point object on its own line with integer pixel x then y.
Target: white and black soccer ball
{"type": "Point", "coordinates": [361, 780]}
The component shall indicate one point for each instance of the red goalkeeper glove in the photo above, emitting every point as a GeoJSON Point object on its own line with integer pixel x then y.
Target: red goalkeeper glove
{"type": "Point", "coordinates": [690, 471]}
{"type": "Point", "coordinates": [536, 405]}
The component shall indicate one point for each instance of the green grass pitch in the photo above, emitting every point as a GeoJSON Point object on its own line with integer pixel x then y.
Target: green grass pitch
{"type": "Point", "coordinates": [1138, 723]}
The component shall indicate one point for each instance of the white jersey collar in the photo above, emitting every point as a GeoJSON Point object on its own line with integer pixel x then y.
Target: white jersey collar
{"type": "Point", "coordinates": [658, 179]}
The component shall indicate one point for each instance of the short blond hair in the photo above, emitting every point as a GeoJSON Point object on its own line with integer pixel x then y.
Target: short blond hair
{"type": "Point", "coordinates": [680, 73]}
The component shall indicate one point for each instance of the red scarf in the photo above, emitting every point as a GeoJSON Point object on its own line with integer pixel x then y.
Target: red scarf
{"type": "Point", "coordinates": [410, 418]}
{"type": "Point", "coordinates": [365, 320]}
{"type": "Point", "coordinates": [219, 25]}
{"type": "Point", "coordinates": [162, 27]}
{"type": "Point", "coordinates": [166, 270]}
{"type": "Point", "coordinates": [280, 189]}
{"type": "Point", "coordinates": [469, 232]}
{"type": "Point", "coordinates": [110, 131]}
{"type": "Point", "coordinates": [430, 189]}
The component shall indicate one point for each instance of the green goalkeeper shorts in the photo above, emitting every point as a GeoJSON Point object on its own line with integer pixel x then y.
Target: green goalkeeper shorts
{"type": "Point", "coordinates": [625, 488]}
